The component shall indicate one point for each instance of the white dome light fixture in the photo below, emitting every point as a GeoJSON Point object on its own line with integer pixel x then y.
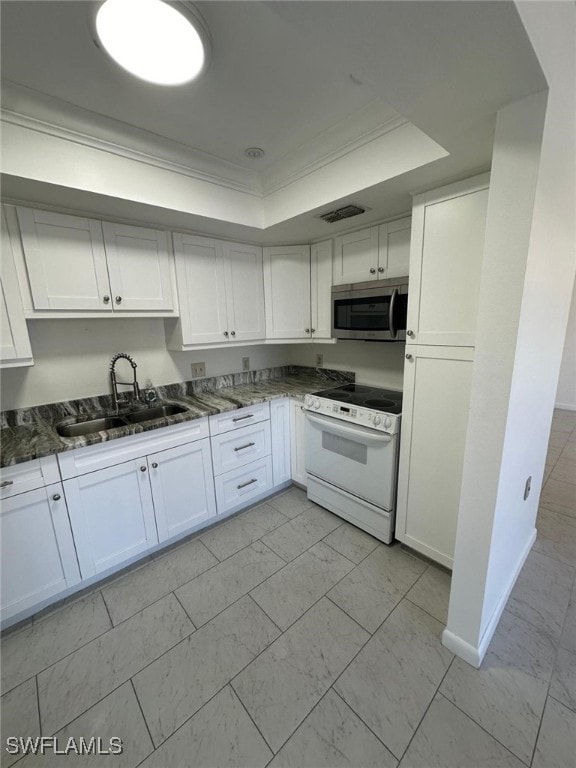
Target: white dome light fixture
{"type": "Point", "coordinates": [153, 40]}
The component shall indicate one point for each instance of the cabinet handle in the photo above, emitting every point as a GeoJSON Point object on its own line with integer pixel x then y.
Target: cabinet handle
{"type": "Point", "coordinates": [142, 469]}
{"type": "Point", "coordinates": [56, 497]}
{"type": "Point", "coordinates": [410, 357]}
{"type": "Point", "coordinates": [232, 333]}
{"type": "Point", "coordinates": [154, 465]}
{"type": "Point", "coordinates": [241, 418]}
{"type": "Point", "coordinates": [410, 333]}
{"type": "Point", "coordinates": [306, 330]}
{"type": "Point", "coordinates": [242, 447]}
{"type": "Point", "coordinates": [106, 299]}
{"type": "Point", "coordinates": [118, 299]}
{"type": "Point", "coordinates": [6, 483]}
{"type": "Point", "coordinates": [243, 485]}
{"type": "Point", "coordinates": [372, 271]}
{"type": "Point", "coordinates": [225, 333]}
{"type": "Point", "coordinates": [380, 269]}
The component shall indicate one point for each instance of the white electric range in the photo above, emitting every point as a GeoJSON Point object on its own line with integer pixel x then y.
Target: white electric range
{"type": "Point", "coordinates": [352, 441]}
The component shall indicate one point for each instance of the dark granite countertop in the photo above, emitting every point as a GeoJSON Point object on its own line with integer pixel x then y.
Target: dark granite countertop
{"type": "Point", "coordinates": [30, 433]}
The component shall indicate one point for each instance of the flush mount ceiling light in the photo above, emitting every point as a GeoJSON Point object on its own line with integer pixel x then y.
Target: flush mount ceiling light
{"type": "Point", "coordinates": [158, 42]}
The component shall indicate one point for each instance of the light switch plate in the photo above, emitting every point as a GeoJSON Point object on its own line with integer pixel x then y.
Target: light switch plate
{"type": "Point", "coordinates": [198, 370]}
{"type": "Point", "coordinates": [245, 363]}
{"type": "Point", "coordinates": [319, 360]}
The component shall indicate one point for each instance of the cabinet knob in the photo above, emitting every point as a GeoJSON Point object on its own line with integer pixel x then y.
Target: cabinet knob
{"type": "Point", "coordinates": [410, 357]}
{"type": "Point", "coordinates": [225, 333]}
{"type": "Point", "coordinates": [106, 299]}
{"type": "Point", "coordinates": [232, 333]}
{"type": "Point", "coordinates": [380, 269]}
{"type": "Point", "coordinates": [142, 469]}
{"type": "Point", "coordinates": [372, 270]}
{"type": "Point", "coordinates": [118, 299]}
{"type": "Point", "coordinates": [312, 330]}
{"type": "Point", "coordinates": [56, 497]}
{"type": "Point", "coordinates": [410, 333]}
{"type": "Point", "coordinates": [306, 330]}
{"type": "Point", "coordinates": [154, 465]}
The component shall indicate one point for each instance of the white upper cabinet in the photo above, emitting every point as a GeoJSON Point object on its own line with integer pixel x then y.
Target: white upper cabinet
{"type": "Point", "coordinates": [220, 290]}
{"type": "Point", "coordinates": [139, 268]}
{"type": "Point", "coordinates": [321, 290]}
{"type": "Point", "coordinates": [14, 340]}
{"type": "Point", "coordinates": [356, 256]}
{"type": "Point", "coordinates": [76, 264]}
{"type": "Point", "coordinates": [448, 228]}
{"type": "Point", "coordinates": [244, 292]}
{"type": "Point", "coordinates": [287, 290]}
{"type": "Point", "coordinates": [394, 248]}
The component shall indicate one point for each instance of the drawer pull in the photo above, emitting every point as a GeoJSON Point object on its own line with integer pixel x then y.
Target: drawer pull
{"type": "Point", "coordinates": [242, 447]}
{"type": "Point", "coordinates": [241, 418]}
{"type": "Point", "coordinates": [6, 483]}
{"type": "Point", "coordinates": [243, 485]}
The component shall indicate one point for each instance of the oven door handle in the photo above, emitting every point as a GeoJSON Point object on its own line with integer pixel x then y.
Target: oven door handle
{"type": "Point", "coordinates": [337, 427]}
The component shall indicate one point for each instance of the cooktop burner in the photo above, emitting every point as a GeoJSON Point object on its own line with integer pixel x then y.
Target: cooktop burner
{"type": "Point", "coordinates": [385, 400]}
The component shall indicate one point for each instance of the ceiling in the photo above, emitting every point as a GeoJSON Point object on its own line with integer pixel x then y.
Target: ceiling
{"type": "Point", "coordinates": [314, 84]}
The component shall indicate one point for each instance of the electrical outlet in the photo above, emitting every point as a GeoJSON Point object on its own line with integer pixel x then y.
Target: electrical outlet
{"type": "Point", "coordinates": [198, 370]}
{"type": "Point", "coordinates": [245, 363]}
{"type": "Point", "coordinates": [527, 487]}
{"type": "Point", "coordinates": [319, 360]}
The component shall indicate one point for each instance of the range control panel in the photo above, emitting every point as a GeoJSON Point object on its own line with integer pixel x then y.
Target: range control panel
{"type": "Point", "coordinates": [366, 417]}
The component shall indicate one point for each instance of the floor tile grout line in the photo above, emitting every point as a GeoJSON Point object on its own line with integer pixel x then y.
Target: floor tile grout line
{"type": "Point", "coordinates": [562, 703]}
{"type": "Point", "coordinates": [185, 611]}
{"type": "Point", "coordinates": [38, 704]}
{"type": "Point", "coordinates": [363, 722]}
{"type": "Point", "coordinates": [479, 725]}
{"type": "Point", "coordinates": [107, 609]}
{"type": "Point", "coordinates": [131, 682]}
{"type": "Point", "coordinates": [255, 724]}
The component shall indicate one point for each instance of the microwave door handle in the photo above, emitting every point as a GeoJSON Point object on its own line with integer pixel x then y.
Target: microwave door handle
{"type": "Point", "coordinates": [391, 313]}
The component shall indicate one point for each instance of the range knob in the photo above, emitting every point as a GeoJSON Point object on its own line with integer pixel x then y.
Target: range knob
{"type": "Point", "coordinates": [316, 404]}
{"type": "Point", "coordinates": [377, 420]}
{"type": "Point", "coordinates": [388, 422]}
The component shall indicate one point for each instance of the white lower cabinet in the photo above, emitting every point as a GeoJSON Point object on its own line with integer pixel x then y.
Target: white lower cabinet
{"type": "Point", "coordinates": [437, 382]}
{"type": "Point", "coordinates": [182, 488]}
{"type": "Point", "coordinates": [240, 487]}
{"type": "Point", "coordinates": [112, 515]}
{"type": "Point", "coordinates": [298, 442]}
{"type": "Point", "coordinates": [280, 438]}
{"type": "Point", "coordinates": [38, 556]}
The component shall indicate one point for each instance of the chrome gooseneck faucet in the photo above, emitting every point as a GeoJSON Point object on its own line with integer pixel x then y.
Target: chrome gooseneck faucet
{"type": "Point", "coordinates": [114, 381]}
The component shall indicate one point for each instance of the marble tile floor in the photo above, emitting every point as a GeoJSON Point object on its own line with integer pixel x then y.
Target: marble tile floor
{"type": "Point", "coordinates": [285, 637]}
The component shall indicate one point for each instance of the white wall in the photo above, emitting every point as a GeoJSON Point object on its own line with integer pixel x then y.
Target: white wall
{"type": "Point", "coordinates": [566, 392]}
{"type": "Point", "coordinates": [380, 364]}
{"type": "Point", "coordinates": [525, 293]}
{"type": "Point", "coordinates": [72, 358]}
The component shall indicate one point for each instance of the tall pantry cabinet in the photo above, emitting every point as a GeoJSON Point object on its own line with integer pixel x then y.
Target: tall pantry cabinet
{"type": "Point", "coordinates": [447, 245]}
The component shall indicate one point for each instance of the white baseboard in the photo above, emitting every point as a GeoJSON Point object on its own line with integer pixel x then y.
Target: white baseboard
{"type": "Point", "coordinates": [566, 406]}
{"type": "Point", "coordinates": [475, 654]}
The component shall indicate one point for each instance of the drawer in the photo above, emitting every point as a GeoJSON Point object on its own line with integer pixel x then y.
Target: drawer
{"type": "Point", "coordinates": [236, 489]}
{"type": "Point", "coordinates": [225, 422]}
{"type": "Point", "coordinates": [28, 476]}
{"type": "Point", "coordinates": [240, 447]}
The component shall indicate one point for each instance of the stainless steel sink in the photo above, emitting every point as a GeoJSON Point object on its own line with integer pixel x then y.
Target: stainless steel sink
{"type": "Point", "coordinates": [102, 423]}
{"type": "Point", "coordinates": [148, 414]}
{"type": "Point", "coordinates": [81, 428]}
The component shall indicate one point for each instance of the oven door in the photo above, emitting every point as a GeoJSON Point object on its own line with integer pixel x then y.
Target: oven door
{"type": "Point", "coordinates": [359, 460]}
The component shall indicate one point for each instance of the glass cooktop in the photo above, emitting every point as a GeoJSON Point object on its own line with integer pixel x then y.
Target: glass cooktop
{"type": "Point", "coordinates": [386, 400]}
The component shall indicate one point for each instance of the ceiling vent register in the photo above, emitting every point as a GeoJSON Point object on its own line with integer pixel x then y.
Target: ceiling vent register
{"type": "Point", "coordinates": [342, 213]}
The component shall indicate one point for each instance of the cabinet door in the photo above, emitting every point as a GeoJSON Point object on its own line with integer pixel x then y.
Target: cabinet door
{"type": "Point", "coordinates": [432, 448]}
{"type": "Point", "coordinates": [394, 248]}
{"type": "Point", "coordinates": [298, 442]}
{"type": "Point", "coordinates": [287, 292]}
{"type": "Point", "coordinates": [14, 340]}
{"type": "Point", "coordinates": [112, 515]}
{"type": "Point", "coordinates": [356, 256]}
{"type": "Point", "coordinates": [182, 488]}
{"type": "Point", "coordinates": [65, 260]}
{"type": "Point", "coordinates": [38, 556]}
{"type": "Point", "coordinates": [280, 434]}
{"type": "Point", "coordinates": [445, 264]}
{"type": "Point", "coordinates": [139, 268]}
{"type": "Point", "coordinates": [321, 289]}
{"type": "Point", "coordinates": [244, 292]}
{"type": "Point", "coordinates": [200, 276]}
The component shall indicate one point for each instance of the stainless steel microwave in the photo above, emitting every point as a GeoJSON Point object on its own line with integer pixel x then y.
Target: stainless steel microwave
{"type": "Point", "coordinates": [371, 311]}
